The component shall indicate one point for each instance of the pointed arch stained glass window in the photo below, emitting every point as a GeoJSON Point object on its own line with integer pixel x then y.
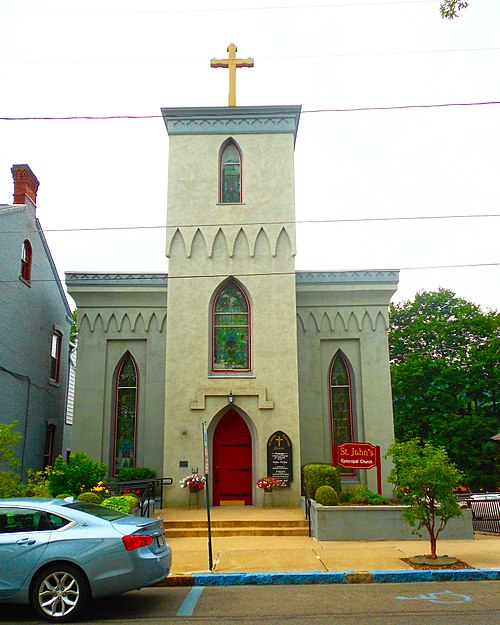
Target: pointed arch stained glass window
{"type": "Point", "coordinates": [230, 175]}
{"type": "Point", "coordinates": [341, 403]}
{"type": "Point", "coordinates": [231, 329]}
{"type": "Point", "coordinates": [125, 414]}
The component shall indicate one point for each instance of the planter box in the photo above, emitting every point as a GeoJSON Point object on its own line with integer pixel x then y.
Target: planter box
{"type": "Point", "coordinates": [377, 523]}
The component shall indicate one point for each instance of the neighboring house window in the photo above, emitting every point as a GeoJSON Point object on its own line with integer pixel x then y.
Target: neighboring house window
{"type": "Point", "coordinates": [48, 453]}
{"type": "Point", "coordinates": [26, 256]}
{"type": "Point", "coordinates": [125, 414]}
{"type": "Point", "coordinates": [55, 356]}
{"type": "Point", "coordinates": [341, 400]}
{"type": "Point", "coordinates": [230, 174]}
{"type": "Point", "coordinates": [230, 329]}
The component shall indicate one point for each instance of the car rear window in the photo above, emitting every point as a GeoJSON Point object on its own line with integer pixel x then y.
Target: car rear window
{"type": "Point", "coordinates": [99, 511]}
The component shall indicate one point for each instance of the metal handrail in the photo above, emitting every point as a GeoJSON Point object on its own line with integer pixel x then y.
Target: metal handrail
{"type": "Point", "coordinates": [148, 490]}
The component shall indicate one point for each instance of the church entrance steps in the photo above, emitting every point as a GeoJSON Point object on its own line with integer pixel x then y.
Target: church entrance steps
{"type": "Point", "coordinates": [225, 522]}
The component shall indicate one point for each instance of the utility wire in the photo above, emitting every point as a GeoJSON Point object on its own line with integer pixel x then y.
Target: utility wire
{"type": "Point", "coordinates": [329, 110]}
{"type": "Point", "coordinates": [261, 223]}
{"type": "Point", "coordinates": [154, 274]}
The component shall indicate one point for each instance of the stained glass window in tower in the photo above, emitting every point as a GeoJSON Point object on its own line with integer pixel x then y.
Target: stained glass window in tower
{"type": "Point", "coordinates": [231, 329]}
{"type": "Point", "coordinates": [341, 401]}
{"type": "Point", "coordinates": [230, 175]}
{"type": "Point", "coordinates": [126, 414]}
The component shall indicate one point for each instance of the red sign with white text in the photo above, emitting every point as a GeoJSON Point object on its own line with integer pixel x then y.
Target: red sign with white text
{"type": "Point", "coordinates": [358, 456]}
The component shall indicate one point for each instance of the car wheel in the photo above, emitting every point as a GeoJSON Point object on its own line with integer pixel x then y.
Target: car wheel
{"type": "Point", "coordinates": [59, 592]}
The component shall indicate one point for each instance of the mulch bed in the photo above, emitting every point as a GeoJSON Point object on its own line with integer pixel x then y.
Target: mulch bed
{"type": "Point", "coordinates": [457, 565]}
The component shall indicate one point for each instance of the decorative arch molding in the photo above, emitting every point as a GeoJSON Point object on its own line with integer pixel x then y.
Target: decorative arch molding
{"type": "Point", "coordinates": [140, 321]}
{"type": "Point", "coordinates": [343, 320]}
{"type": "Point", "coordinates": [194, 240]}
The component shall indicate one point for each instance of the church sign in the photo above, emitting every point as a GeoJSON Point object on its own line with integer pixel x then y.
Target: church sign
{"type": "Point", "coordinates": [279, 458]}
{"type": "Point", "coordinates": [358, 456]}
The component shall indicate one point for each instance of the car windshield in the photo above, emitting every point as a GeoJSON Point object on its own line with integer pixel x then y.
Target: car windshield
{"type": "Point", "coordinates": [99, 511]}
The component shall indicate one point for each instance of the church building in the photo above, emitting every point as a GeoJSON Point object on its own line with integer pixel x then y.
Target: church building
{"type": "Point", "coordinates": [269, 365]}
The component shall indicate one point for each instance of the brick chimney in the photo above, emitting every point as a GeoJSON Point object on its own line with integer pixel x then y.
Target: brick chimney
{"type": "Point", "coordinates": [25, 184]}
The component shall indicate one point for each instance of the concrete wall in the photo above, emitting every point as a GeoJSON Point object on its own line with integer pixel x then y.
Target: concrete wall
{"type": "Point", "coordinates": [378, 523]}
{"type": "Point", "coordinates": [29, 314]}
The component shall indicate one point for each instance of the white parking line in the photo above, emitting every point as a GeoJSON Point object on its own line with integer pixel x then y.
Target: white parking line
{"type": "Point", "coordinates": [189, 603]}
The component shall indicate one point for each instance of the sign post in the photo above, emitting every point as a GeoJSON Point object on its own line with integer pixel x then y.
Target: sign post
{"type": "Point", "coordinates": [207, 493]}
{"type": "Point", "coordinates": [358, 456]}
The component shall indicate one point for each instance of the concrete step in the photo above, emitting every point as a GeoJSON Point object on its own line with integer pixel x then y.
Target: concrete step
{"type": "Point", "coordinates": [200, 532]}
{"type": "Point", "coordinates": [235, 523]}
{"type": "Point", "coordinates": [236, 527]}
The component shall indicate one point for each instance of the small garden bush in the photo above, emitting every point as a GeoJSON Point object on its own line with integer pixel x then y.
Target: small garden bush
{"type": "Point", "coordinates": [320, 474]}
{"type": "Point", "coordinates": [80, 473]}
{"type": "Point", "coordinates": [11, 485]}
{"type": "Point", "coordinates": [128, 474]}
{"type": "Point", "coordinates": [327, 496]}
{"type": "Point", "coordinates": [121, 503]}
{"type": "Point", "coordinates": [89, 498]}
{"type": "Point", "coordinates": [362, 495]}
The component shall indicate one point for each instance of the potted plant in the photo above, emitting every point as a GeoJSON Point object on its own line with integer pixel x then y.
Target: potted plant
{"type": "Point", "coordinates": [194, 482]}
{"type": "Point", "coordinates": [268, 484]}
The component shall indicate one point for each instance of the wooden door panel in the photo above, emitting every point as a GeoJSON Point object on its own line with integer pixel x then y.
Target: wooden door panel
{"type": "Point", "coordinates": [232, 460]}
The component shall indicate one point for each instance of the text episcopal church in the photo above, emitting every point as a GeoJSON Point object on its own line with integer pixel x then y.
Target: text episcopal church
{"type": "Point", "coordinates": [279, 364]}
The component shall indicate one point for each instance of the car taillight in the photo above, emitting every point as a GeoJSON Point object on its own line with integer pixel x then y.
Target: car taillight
{"type": "Point", "coordinates": [136, 542]}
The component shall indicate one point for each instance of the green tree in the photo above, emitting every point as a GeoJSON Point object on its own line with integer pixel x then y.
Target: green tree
{"type": "Point", "coordinates": [8, 440]}
{"type": "Point", "coordinates": [445, 355]}
{"type": "Point", "coordinates": [425, 480]}
{"type": "Point", "coordinates": [72, 330]}
{"type": "Point", "coordinates": [449, 8]}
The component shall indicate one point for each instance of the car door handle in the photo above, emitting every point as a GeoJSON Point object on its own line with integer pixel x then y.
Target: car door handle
{"type": "Point", "coordinates": [26, 541]}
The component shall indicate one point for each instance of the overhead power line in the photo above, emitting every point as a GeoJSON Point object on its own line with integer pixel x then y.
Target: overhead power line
{"type": "Point", "coordinates": [266, 223]}
{"type": "Point", "coordinates": [267, 273]}
{"type": "Point", "coordinates": [329, 110]}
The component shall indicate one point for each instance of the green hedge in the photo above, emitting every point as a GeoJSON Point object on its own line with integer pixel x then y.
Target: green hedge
{"type": "Point", "coordinates": [127, 474]}
{"type": "Point", "coordinates": [320, 474]}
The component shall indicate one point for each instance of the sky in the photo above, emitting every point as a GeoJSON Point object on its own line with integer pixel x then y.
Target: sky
{"type": "Point", "coordinates": [383, 179]}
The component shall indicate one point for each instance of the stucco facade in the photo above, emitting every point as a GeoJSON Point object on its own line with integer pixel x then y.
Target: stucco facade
{"type": "Point", "coordinates": [297, 322]}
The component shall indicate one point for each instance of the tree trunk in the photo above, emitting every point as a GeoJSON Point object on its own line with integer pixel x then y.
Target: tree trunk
{"type": "Point", "coordinates": [433, 545]}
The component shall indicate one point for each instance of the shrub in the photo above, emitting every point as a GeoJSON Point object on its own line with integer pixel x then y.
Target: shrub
{"type": "Point", "coordinates": [11, 485]}
{"type": "Point", "coordinates": [37, 485]}
{"type": "Point", "coordinates": [317, 474]}
{"type": "Point", "coordinates": [327, 496]}
{"type": "Point", "coordinates": [89, 498]}
{"type": "Point", "coordinates": [80, 473]}
{"type": "Point", "coordinates": [362, 495]}
{"type": "Point", "coordinates": [121, 503]}
{"type": "Point", "coordinates": [128, 474]}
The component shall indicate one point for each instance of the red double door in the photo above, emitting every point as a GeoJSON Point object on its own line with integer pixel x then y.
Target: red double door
{"type": "Point", "coordinates": [232, 461]}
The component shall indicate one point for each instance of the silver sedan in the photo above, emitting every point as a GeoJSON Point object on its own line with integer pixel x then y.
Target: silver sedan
{"type": "Point", "coordinates": [58, 554]}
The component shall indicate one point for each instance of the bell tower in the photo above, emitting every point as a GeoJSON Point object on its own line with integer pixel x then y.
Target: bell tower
{"type": "Point", "coordinates": [231, 312]}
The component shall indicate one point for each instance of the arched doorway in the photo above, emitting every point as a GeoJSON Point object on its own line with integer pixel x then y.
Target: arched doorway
{"type": "Point", "coordinates": [232, 461]}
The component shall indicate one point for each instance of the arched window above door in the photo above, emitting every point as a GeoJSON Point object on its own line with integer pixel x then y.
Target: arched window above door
{"type": "Point", "coordinates": [126, 394]}
{"type": "Point", "coordinates": [230, 328]}
{"type": "Point", "coordinates": [230, 174]}
{"type": "Point", "coordinates": [341, 400]}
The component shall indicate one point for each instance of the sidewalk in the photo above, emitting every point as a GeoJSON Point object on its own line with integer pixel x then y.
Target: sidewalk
{"type": "Point", "coordinates": [275, 559]}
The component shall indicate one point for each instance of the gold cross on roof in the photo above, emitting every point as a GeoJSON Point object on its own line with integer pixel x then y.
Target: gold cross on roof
{"type": "Point", "coordinates": [232, 63]}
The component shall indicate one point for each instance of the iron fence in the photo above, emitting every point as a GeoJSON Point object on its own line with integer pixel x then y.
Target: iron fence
{"type": "Point", "coordinates": [149, 492]}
